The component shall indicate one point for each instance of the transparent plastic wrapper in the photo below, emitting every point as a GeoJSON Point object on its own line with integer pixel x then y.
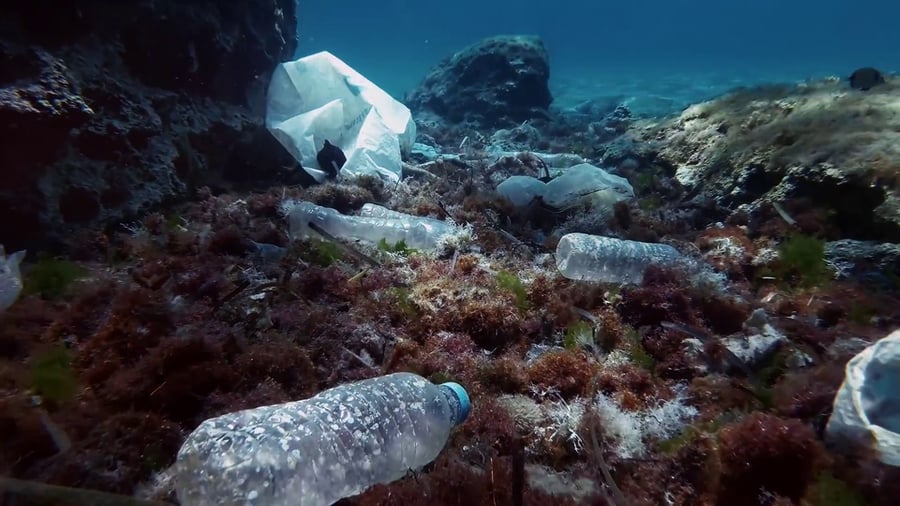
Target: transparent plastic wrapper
{"type": "Point", "coordinates": [866, 414]}
{"type": "Point", "coordinates": [608, 259]}
{"type": "Point", "coordinates": [587, 183]}
{"type": "Point", "coordinates": [10, 277]}
{"type": "Point", "coordinates": [582, 183]}
{"type": "Point", "coordinates": [521, 191]}
{"type": "Point", "coordinates": [373, 224]}
{"type": "Point", "coordinates": [318, 98]}
{"type": "Point", "coordinates": [316, 451]}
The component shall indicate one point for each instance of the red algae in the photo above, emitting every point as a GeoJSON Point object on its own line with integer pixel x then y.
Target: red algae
{"type": "Point", "coordinates": [567, 372]}
{"type": "Point", "coordinates": [765, 454]}
{"type": "Point", "coordinates": [176, 333]}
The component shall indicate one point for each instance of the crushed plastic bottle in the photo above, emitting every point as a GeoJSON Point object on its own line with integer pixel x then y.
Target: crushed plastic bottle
{"type": "Point", "coordinates": [316, 451]}
{"type": "Point", "coordinates": [373, 224]}
{"type": "Point", "coordinates": [608, 259]}
{"type": "Point", "coordinates": [10, 277]}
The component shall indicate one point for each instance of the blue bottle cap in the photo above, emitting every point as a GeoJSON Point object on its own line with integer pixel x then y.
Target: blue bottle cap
{"type": "Point", "coordinates": [463, 397]}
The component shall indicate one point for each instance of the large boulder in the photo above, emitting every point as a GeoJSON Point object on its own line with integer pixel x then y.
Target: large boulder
{"type": "Point", "coordinates": [108, 110]}
{"type": "Point", "coordinates": [496, 83]}
{"type": "Point", "coordinates": [832, 147]}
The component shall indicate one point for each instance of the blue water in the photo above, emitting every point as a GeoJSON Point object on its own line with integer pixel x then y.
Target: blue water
{"type": "Point", "coordinates": [655, 52]}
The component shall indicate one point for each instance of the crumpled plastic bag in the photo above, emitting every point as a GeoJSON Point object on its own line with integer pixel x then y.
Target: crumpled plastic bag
{"type": "Point", "coordinates": [10, 277]}
{"type": "Point", "coordinates": [319, 98]}
{"type": "Point", "coordinates": [580, 184]}
{"type": "Point", "coordinates": [866, 411]}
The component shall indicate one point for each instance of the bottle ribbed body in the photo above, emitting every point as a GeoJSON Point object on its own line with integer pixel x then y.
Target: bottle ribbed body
{"type": "Point", "coordinates": [608, 259]}
{"type": "Point", "coordinates": [316, 451]}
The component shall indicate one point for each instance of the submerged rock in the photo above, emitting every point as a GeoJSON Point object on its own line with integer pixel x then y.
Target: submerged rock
{"type": "Point", "coordinates": [865, 259]}
{"type": "Point", "coordinates": [818, 142]}
{"type": "Point", "coordinates": [106, 113]}
{"type": "Point", "coordinates": [498, 82]}
{"type": "Point", "coordinates": [754, 349]}
{"type": "Point", "coordinates": [866, 78]}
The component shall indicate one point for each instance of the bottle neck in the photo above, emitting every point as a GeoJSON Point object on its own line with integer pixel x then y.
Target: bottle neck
{"type": "Point", "coordinates": [458, 400]}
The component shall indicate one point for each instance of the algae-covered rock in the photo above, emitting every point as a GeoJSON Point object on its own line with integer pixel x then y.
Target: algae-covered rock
{"type": "Point", "coordinates": [825, 142]}
{"type": "Point", "coordinates": [108, 111]}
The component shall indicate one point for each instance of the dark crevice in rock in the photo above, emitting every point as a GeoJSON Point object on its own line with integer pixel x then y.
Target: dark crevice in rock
{"type": "Point", "coordinates": [851, 205]}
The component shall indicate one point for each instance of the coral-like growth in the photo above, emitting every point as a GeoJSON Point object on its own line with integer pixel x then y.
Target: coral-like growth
{"type": "Point", "coordinates": [442, 357]}
{"type": "Point", "coordinates": [766, 454]}
{"type": "Point", "coordinates": [503, 375]}
{"type": "Point", "coordinates": [489, 430]}
{"type": "Point", "coordinates": [568, 372]}
{"type": "Point", "coordinates": [473, 304]}
{"type": "Point", "coordinates": [721, 315]}
{"type": "Point", "coordinates": [661, 297]}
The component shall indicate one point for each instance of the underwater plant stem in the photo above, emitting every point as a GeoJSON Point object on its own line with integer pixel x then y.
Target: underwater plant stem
{"type": "Point", "coordinates": [617, 496]}
{"type": "Point", "coordinates": [518, 473]}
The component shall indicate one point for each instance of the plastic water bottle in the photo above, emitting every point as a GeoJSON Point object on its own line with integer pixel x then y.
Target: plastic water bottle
{"type": "Point", "coordinates": [373, 224]}
{"type": "Point", "coordinates": [316, 451]}
{"type": "Point", "coordinates": [608, 259]}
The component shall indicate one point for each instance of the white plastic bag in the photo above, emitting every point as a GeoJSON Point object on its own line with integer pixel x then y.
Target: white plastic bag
{"type": "Point", "coordinates": [319, 98]}
{"type": "Point", "coordinates": [10, 277]}
{"type": "Point", "coordinates": [866, 410]}
{"type": "Point", "coordinates": [580, 184]}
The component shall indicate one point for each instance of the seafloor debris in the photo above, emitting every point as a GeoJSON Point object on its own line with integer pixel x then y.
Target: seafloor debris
{"type": "Point", "coordinates": [582, 392]}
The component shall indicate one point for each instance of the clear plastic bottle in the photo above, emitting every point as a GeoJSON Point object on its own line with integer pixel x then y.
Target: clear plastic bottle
{"type": "Point", "coordinates": [608, 259]}
{"type": "Point", "coordinates": [374, 224]}
{"type": "Point", "coordinates": [316, 451]}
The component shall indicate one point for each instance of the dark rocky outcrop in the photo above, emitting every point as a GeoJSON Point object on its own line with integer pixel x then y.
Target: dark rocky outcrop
{"type": "Point", "coordinates": [110, 109]}
{"type": "Point", "coordinates": [496, 83]}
